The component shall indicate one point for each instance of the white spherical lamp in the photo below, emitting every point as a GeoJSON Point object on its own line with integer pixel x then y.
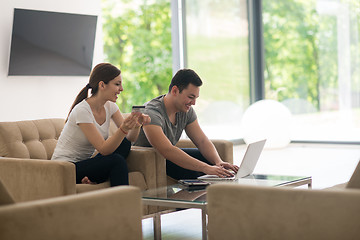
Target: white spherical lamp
{"type": "Point", "coordinates": [267, 119]}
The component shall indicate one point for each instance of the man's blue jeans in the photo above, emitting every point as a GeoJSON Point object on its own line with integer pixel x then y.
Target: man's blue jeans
{"type": "Point", "coordinates": [178, 172]}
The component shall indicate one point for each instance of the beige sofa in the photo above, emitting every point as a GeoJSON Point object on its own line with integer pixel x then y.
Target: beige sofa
{"type": "Point", "coordinates": [25, 169]}
{"type": "Point", "coordinates": [252, 212]}
{"type": "Point", "coordinates": [81, 216]}
{"type": "Point", "coordinates": [25, 150]}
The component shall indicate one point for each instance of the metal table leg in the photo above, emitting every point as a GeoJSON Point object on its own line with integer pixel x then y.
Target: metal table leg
{"type": "Point", "coordinates": [204, 224]}
{"type": "Point", "coordinates": [157, 226]}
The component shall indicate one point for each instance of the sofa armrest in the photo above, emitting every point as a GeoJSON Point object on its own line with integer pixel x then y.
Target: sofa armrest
{"type": "Point", "coordinates": [82, 216]}
{"type": "Point", "coordinates": [150, 163]}
{"type": "Point", "coordinates": [185, 143]}
{"type": "Point", "coordinates": [29, 179]}
{"type": "Point", "coordinates": [223, 147]}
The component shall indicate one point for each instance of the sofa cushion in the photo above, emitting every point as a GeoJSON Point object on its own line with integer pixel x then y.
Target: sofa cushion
{"type": "Point", "coordinates": [35, 139]}
{"type": "Point", "coordinates": [135, 179]}
{"type": "Point", "coordinates": [82, 188]}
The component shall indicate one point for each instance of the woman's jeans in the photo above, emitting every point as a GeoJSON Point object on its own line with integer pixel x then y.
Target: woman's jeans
{"type": "Point", "coordinates": [101, 168]}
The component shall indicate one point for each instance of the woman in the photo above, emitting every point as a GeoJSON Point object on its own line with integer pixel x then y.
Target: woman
{"type": "Point", "coordinates": [87, 128]}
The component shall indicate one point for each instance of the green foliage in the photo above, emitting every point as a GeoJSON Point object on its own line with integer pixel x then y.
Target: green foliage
{"type": "Point", "coordinates": [222, 63]}
{"type": "Point", "coordinates": [291, 54]}
{"type": "Point", "coordinates": [217, 49]}
{"type": "Point", "coordinates": [138, 41]}
{"type": "Point", "coordinates": [301, 51]}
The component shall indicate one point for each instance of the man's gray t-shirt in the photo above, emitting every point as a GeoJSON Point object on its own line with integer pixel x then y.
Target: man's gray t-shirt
{"type": "Point", "coordinates": [157, 112]}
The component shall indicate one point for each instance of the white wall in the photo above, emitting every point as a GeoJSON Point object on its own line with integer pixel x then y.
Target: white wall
{"type": "Point", "coordinates": [35, 97]}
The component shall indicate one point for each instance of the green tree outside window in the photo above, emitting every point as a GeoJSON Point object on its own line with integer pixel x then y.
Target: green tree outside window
{"type": "Point", "coordinates": [137, 39]}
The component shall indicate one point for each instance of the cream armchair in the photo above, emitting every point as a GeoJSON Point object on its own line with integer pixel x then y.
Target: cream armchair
{"type": "Point", "coordinates": [81, 216]}
{"type": "Point", "coordinates": [252, 212]}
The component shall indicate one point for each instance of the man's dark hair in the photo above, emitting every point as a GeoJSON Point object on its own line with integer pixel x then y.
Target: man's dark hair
{"type": "Point", "coordinates": [183, 78]}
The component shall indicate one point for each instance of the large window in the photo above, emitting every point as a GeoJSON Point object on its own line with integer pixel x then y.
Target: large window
{"type": "Point", "coordinates": [312, 59]}
{"type": "Point", "coordinates": [217, 48]}
{"type": "Point", "coordinates": [137, 39]}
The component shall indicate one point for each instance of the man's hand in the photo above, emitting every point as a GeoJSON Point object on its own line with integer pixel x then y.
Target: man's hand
{"type": "Point", "coordinates": [230, 166]}
{"type": "Point", "coordinates": [218, 171]}
{"type": "Point", "coordinates": [144, 119]}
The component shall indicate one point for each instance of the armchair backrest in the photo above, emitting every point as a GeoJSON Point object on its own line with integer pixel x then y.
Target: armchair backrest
{"type": "Point", "coordinates": [35, 139]}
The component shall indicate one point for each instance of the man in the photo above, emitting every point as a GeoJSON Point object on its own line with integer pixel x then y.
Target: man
{"type": "Point", "coordinates": [170, 115]}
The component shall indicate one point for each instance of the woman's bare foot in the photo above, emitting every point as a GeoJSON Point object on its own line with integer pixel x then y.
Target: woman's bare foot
{"type": "Point", "coordinates": [86, 180]}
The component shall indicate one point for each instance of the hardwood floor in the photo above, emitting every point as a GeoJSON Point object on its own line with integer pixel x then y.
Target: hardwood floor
{"type": "Point", "coordinates": [327, 164]}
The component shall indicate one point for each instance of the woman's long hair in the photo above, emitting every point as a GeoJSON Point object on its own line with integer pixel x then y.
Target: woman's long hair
{"type": "Point", "coordinates": [102, 72]}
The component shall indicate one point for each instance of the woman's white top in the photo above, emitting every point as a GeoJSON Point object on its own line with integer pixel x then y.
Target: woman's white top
{"type": "Point", "coordinates": [73, 146]}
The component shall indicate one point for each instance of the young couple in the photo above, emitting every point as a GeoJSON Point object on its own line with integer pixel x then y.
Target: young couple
{"type": "Point", "coordinates": [87, 126]}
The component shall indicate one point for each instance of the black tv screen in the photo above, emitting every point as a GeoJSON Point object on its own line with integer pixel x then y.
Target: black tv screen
{"type": "Point", "coordinates": [51, 43]}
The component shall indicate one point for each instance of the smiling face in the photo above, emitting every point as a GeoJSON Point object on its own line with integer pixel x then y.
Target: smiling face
{"type": "Point", "coordinates": [187, 97]}
{"type": "Point", "coordinates": [113, 88]}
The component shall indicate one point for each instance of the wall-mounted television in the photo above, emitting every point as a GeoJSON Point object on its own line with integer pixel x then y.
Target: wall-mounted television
{"type": "Point", "coordinates": [51, 43]}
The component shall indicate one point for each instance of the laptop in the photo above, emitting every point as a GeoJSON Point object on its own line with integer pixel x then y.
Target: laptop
{"type": "Point", "coordinates": [248, 163]}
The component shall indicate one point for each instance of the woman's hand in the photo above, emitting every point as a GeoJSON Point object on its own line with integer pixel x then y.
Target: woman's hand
{"type": "Point", "coordinates": [135, 120]}
{"type": "Point", "coordinates": [131, 122]}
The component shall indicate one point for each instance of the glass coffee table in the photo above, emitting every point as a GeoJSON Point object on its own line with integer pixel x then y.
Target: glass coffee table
{"type": "Point", "coordinates": [179, 196]}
